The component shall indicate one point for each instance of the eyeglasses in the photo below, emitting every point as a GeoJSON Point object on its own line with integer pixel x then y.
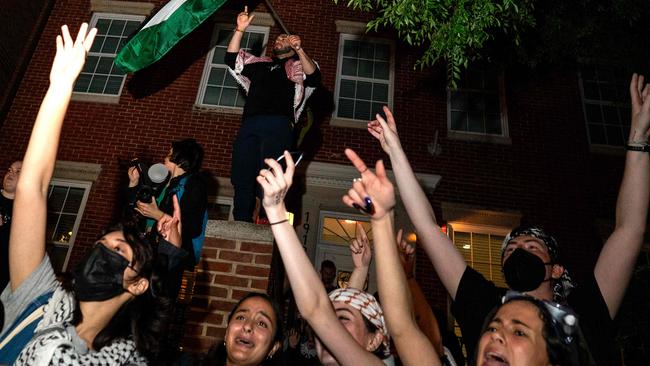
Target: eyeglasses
{"type": "Point", "coordinates": [562, 318]}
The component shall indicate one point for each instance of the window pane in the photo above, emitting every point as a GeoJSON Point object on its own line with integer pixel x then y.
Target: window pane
{"type": "Point", "coordinates": [614, 135]}
{"type": "Point", "coordinates": [347, 89]}
{"type": "Point", "coordinates": [346, 108]}
{"type": "Point", "coordinates": [351, 48]}
{"type": "Point", "coordinates": [591, 90]}
{"type": "Point", "coordinates": [63, 231]}
{"type": "Point", "coordinates": [607, 92]}
{"type": "Point", "coordinates": [492, 104]}
{"type": "Point", "coordinates": [593, 113]}
{"type": "Point", "coordinates": [364, 90]}
{"type": "Point", "coordinates": [110, 45]}
{"type": "Point", "coordinates": [459, 121]}
{"type": "Point", "coordinates": [91, 63]}
{"type": "Point", "coordinates": [52, 220]}
{"type": "Point", "coordinates": [97, 84]}
{"type": "Point", "coordinates": [382, 52]}
{"type": "Point", "coordinates": [493, 124]}
{"type": "Point", "coordinates": [57, 198]}
{"type": "Point", "coordinates": [362, 110]}
{"type": "Point", "coordinates": [382, 71]}
{"type": "Point", "coordinates": [256, 43]}
{"type": "Point", "coordinates": [211, 95]}
{"type": "Point", "coordinates": [458, 101]}
{"type": "Point", "coordinates": [230, 81]}
{"type": "Point", "coordinates": [228, 96]}
{"type": "Point", "coordinates": [219, 55]}
{"type": "Point", "coordinates": [365, 68]}
{"type": "Point", "coordinates": [104, 65]}
{"type": "Point", "coordinates": [349, 67]}
{"type": "Point", "coordinates": [83, 81]}
{"type": "Point", "coordinates": [366, 50]}
{"type": "Point", "coordinates": [113, 85]}
{"type": "Point", "coordinates": [380, 92]}
{"type": "Point", "coordinates": [131, 27]}
{"type": "Point", "coordinates": [476, 102]}
{"type": "Point", "coordinates": [610, 114]}
{"type": "Point", "coordinates": [216, 76]}
{"type": "Point", "coordinates": [116, 28]}
{"type": "Point", "coordinates": [475, 122]}
{"type": "Point", "coordinates": [376, 108]}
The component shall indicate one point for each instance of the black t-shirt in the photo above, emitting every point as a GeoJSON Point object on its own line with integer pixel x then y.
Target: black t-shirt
{"type": "Point", "coordinates": [270, 92]}
{"type": "Point", "coordinates": [476, 297]}
{"type": "Point", "coordinates": [6, 209]}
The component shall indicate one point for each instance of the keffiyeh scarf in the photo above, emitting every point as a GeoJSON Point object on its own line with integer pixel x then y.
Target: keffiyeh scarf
{"type": "Point", "coordinates": [368, 306]}
{"type": "Point", "coordinates": [292, 67]}
{"type": "Point", "coordinates": [52, 344]}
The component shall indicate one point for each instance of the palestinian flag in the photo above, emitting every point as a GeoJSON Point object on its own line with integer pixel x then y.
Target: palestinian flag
{"type": "Point", "coordinates": [163, 31]}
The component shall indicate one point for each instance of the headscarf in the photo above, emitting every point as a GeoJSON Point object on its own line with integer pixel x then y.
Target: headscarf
{"type": "Point", "coordinates": [561, 286]}
{"type": "Point", "coordinates": [368, 306]}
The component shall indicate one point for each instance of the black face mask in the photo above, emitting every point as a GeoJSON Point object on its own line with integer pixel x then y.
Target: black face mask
{"type": "Point", "coordinates": [101, 276]}
{"type": "Point", "coordinates": [524, 271]}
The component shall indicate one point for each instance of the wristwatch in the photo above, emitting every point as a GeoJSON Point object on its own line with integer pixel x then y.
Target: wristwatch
{"type": "Point", "coordinates": [643, 148]}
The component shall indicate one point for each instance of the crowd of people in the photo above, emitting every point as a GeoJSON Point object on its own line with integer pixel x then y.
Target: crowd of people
{"type": "Point", "coordinates": [114, 307]}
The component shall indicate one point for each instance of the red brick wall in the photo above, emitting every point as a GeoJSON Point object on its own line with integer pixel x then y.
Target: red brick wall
{"type": "Point", "coordinates": [228, 270]}
{"type": "Point", "coordinates": [547, 173]}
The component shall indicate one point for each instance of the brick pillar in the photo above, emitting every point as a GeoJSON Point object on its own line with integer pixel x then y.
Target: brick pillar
{"type": "Point", "coordinates": [236, 259]}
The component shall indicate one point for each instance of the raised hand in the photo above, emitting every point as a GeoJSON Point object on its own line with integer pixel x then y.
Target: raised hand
{"type": "Point", "coordinates": [275, 182]}
{"type": "Point", "coordinates": [169, 227]}
{"type": "Point", "coordinates": [385, 130]}
{"type": "Point", "coordinates": [360, 248]}
{"type": "Point", "coordinates": [295, 42]}
{"type": "Point", "coordinates": [244, 20]}
{"type": "Point", "coordinates": [71, 55]}
{"type": "Point", "coordinates": [640, 96]}
{"type": "Point", "coordinates": [406, 254]}
{"type": "Point", "coordinates": [373, 193]}
{"type": "Point", "coordinates": [293, 337]}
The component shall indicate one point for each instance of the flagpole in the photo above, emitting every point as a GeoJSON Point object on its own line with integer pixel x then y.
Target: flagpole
{"type": "Point", "coordinates": [276, 16]}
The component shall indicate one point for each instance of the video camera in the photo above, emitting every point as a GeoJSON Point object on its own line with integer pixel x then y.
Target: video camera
{"type": "Point", "coordinates": [152, 182]}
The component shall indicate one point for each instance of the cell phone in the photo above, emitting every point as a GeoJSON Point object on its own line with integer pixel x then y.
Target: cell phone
{"type": "Point", "coordinates": [295, 155]}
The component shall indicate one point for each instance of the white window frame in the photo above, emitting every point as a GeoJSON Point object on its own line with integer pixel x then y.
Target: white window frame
{"type": "Point", "coordinates": [69, 183]}
{"type": "Point", "coordinates": [105, 97]}
{"type": "Point", "coordinates": [223, 200]}
{"type": "Point", "coordinates": [207, 67]}
{"type": "Point", "coordinates": [504, 137]}
{"type": "Point", "coordinates": [600, 102]}
{"type": "Point", "coordinates": [357, 123]}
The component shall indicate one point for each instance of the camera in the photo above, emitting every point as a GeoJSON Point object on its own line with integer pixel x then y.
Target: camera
{"type": "Point", "coordinates": [152, 182]}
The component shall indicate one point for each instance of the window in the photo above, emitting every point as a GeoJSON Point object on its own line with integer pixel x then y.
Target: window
{"type": "Point", "coordinates": [218, 87]}
{"type": "Point", "coordinates": [100, 75]}
{"type": "Point", "coordinates": [606, 104]}
{"type": "Point", "coordinates": [66, 200]}
{"type": "Point", "coordinates": [481, 249]}
{"type": "Point", "coordinates": [477, 106]}
{"type": "Point", "coordinates": [220, 208]}
{"type": "Point", "coordinates": [364, 80]}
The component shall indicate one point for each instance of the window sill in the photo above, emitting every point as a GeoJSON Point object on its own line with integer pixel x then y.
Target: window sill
{"type": "Point", "coordinates": [492, 139]}
{"type": "Point", "coordinates": [218, 109]}
{"type": "Point", "coordinates": [96, 98]}
{"type": "Point", "coordinates": [607, 150]}
{"type": "Point", "coordinates": [350, 123]}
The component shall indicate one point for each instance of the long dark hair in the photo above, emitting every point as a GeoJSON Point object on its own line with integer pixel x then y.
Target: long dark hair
{"type": "Point", "coordinates": [218, 354]}
{"type": "Point", "coordinates": [560, 351]}
{"type": "Point", "coordinates": [145, 317]}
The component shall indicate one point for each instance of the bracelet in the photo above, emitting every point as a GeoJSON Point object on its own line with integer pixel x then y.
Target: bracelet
{"type": "Point", "coordinates": [239, 30]}
{"type": "Point", "coordinates": [642, 148]}
{"type": "Point", "coordinates": [279, 222]}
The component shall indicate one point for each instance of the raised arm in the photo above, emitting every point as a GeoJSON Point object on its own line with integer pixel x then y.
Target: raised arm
{"type": "Point", "coordinates": [361, 257]}
{"type": "Point", "coordinates": [308, 290]}
{"type": "Point", "coordinates": [616, 261]}
{"type": "Point", "coordinates": [308, 65]}
{"type": "Point", "coordinates": [27, 241]}
{"type": "Point", "coordinates": [243, 21]}
{"type": "Point", "coordinates": [412, 345]}
{"type": "Point", "coordinates": [447, 261]}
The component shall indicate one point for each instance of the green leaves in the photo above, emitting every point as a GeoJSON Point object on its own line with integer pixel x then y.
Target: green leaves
{"type": "Point", "coordinates": [450, 30]}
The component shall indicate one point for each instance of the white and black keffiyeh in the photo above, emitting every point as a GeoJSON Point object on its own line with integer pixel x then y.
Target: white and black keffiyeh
{"type": "Point", "coordinates": [52, 344]}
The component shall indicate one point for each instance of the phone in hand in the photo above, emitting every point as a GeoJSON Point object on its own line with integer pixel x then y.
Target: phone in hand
{"type": "Point", "coordinates": [295, 155]}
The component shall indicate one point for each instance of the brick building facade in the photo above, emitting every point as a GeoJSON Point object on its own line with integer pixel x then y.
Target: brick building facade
{"type": "Point", "coordinates": [539, 156]}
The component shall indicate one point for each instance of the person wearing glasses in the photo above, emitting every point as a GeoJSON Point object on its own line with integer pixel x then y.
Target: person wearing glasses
{"type": "Point", "coordinates": [277, 89]}
{"type": "Point", "coordinates": [529, 254]}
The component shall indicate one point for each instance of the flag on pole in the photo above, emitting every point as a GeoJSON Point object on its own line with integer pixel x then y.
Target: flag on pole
{"type": "Point", "coordinates": [165, 29]}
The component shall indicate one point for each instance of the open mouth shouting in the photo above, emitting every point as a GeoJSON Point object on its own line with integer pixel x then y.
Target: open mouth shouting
{"type": "Point", "coordinates": [494, 359]}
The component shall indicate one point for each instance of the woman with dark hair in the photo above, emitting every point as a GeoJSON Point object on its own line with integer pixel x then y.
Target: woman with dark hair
{"type": "Point", "coordinates": [100, 320]}
{"type": "Point", "coordinates": [527, 331]}
{"type": "Point", "coordinates": [183, 162]}
{"type": "Point", "coordinates": [340, 320]}
{"type": "Point", "coordinates": [253, 336]}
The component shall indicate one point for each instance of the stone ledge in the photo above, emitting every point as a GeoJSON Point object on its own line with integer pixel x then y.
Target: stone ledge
{"type": "Point", "coordinates": [64, 169]}
{"type": "Point", "coordinates": [238, 230]}
{"type": "Point", "coordinates": [121, 7]}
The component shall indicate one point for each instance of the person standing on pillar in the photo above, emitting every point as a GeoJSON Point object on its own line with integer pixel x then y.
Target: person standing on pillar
{"type": "Point", "coordinates": [277, 89]}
